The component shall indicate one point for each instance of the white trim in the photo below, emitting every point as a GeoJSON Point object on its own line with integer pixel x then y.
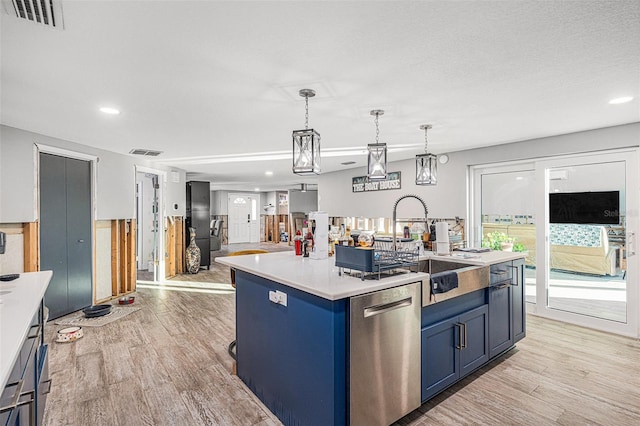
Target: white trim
{"type": "Point", "coordinates": [48, 149]}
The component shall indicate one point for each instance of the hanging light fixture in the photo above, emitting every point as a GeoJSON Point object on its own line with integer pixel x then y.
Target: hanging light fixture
{"type": "Point", "coordinates": [377, 158]}
{"type": "Point", "coordinates": [306, 143]}
{"type": "Point", "coordinates": [426, 164]}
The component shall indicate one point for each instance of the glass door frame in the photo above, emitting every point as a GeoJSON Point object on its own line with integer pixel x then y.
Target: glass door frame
{"type": "Point", "coordinates": [631, 157]}
{"type": "Point", "coordinates": [632, 193]}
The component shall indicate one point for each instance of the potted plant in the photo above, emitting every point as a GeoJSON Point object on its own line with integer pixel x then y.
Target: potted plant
{"type": "Point", "coordinates": [498, 241]}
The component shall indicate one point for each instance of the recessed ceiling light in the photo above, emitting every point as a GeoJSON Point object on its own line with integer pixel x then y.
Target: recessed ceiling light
{"type": "Point", "coordinates": [256, 189]}
{"type": "Point", "coordinates": [519, 178]}
{"type": "Point", "coordinates": [109, 110]}
{"type": "Point", "coordinates": [268, 173]}
{"type": "Point", "coordinates": [621, 100]}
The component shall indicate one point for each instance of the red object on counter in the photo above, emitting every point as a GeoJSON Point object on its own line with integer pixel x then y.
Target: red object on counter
{"type": "Point", "coordinates": [298, 242]}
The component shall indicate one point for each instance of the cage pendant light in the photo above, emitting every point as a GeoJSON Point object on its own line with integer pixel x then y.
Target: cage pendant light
{"type": "Point", "coordinates": [377, 158]}
{"type": "Point", "coordinates": [306, 143]}
{"type": "Point", "coordinates": [426, 164]}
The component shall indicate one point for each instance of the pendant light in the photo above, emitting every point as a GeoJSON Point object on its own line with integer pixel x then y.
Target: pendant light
{"type": "Point", "coordinates": [306, 143]}
{"type": "Point", "coordinates": [426, 164]}
{"type": "Point", "coordinates": [377, 158]}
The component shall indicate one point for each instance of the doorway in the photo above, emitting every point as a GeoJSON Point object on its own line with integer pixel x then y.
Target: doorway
{"type": "Point", "coordinates": [244, 221]}
{"type": "Point", "coordinates": [506, 205]}
{"type": "Point", "coordinates": [66, 229]}
{"type": "Point", "coordinates": [580, 247]}
{"type": "Point", "coordinates": [585, 274]}
{"type": "Point", "coordinates": [149, 230]}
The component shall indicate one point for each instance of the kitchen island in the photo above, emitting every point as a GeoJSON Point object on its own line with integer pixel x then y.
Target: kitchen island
{"type": "Point", "coordinates": [300, 350]}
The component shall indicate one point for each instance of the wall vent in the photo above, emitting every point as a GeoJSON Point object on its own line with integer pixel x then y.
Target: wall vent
{"type": "Point", "coordinates": [44, 12]}
{"type": "Point", "coordinates": [145, 152]}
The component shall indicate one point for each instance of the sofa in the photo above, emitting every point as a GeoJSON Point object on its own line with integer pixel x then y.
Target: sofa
{"type": "Point", "coordinates": [574, 247]}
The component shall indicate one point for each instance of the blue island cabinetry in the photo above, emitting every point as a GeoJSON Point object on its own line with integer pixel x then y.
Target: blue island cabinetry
{"type": "Point", "coordinates": [293, 357]}
{"type": "Point", "coordinates": [294, 348]}
{"type": "Point", "coordinates": [460, 335]}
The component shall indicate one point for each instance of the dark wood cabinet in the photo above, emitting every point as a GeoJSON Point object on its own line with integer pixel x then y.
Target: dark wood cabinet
{"type": "Point", "coordinates": [198, 211]}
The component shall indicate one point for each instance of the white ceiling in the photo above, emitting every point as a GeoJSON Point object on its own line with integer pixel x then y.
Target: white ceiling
{"type": "Point", "coordinates": [204, 79]}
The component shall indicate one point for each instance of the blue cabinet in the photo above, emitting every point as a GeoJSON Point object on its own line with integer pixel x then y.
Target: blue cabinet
{"type": "Point", "coordinates": [293, 356]}
{"type": "Point", "coordinates": [506, 306]}
{"type": "Point", "coordinates": [518, 300]}
{"type": "Point", "coordinates": [453, 348]}
{"type": "Point", "coordinates": [23, 399]}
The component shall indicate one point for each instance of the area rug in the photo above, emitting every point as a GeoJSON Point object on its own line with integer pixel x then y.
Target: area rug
{"type": "Point", "coordinates": [117, 312]}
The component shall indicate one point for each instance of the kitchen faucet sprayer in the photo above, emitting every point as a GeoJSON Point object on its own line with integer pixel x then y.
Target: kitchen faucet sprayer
{"type": "Point", "coordinates": [395, 207]}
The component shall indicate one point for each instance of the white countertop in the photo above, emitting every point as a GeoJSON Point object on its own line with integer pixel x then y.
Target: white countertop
{"type": "Point", "coordinates": [482, 259]}
{"type": "Point", "coordinates": [314, 276]}
{"type": "Point", "coordinates": [17, 308]}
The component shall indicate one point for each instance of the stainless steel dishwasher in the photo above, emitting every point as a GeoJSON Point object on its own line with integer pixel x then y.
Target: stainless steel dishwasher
{"type": "Point", "coordinates": [385, 355]}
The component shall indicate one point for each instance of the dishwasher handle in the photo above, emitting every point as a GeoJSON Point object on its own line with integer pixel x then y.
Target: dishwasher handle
{"type": "Point", "coordinates": [386, 307]}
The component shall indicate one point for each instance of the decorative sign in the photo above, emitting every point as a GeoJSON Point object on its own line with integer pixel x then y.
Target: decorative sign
{"type": "Point", "coordinates": [363, 184]}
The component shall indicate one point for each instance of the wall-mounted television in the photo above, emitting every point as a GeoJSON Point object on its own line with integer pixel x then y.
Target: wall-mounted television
{"type": "Point", "coordinates": [598, 207]}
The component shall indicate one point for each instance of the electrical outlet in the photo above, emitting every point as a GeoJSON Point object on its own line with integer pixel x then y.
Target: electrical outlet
{"type": "Point", "coordinates": [282, 298]}
{"type": "Point", "coordinates": [278, 297]}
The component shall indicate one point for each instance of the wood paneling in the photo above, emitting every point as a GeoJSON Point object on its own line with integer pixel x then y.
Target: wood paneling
{"type": "Point", "coordinates": [115, 258]}
{"type": "Point", "coordinates": [131, 256]}
{"type": "Point", "coordinates": [272, 227]}
{"type": "Point", "coordinates": [174, 246]}
{"type": "Point", "coordinates": [31, 247]}
{"type": "Point", "coordinates": [123, 256]}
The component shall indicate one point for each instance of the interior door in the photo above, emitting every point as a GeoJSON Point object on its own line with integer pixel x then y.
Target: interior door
{"type": "Point", "coordinates": [66, 232]}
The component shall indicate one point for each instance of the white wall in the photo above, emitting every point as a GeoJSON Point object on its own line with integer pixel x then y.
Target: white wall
{"type": "Point", "coordinates": [175, 192]}
{"type": "Point", "coordinates": [115, 184]}
{"type": "Point", "coordinates": [303, 202]}
{"type": "Point", "coordinates": [449, 198]}
{"type": "Point", "coordinates": [270, 203]}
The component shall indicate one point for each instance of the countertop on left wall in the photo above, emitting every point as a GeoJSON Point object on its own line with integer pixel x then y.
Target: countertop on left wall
{"type": "Point", "coordinates": [19, 302]}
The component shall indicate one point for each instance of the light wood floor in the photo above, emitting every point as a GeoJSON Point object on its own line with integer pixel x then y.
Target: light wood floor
{"type": "Point", "coordinates": [168, 364]}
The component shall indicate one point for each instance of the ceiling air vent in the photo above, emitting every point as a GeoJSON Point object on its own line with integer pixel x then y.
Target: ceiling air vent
{"type": "Point", "coordinates": [45, 12]}
{"type": "Point", "coordinates": [145, 152]}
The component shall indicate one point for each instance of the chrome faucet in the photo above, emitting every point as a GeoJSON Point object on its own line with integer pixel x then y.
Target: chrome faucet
{"type": "Point", "coordinates": [395, 208]}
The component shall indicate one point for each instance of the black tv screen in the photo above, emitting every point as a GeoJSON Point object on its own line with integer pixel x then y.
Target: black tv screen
{"type": "Point", "coordinates": [585, 207]}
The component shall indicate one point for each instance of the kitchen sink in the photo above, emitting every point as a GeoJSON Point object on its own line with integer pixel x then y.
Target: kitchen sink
{"type": "Point", "coordinates": [470, 278]}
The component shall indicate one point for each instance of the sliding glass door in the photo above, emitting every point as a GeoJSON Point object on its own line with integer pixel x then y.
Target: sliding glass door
{"type": "Point", "coordinates": [587, 239]}
{"type": "Point", "coordinates": [575, 217]}
{"type": "Point", "coordinates": [506, 206]}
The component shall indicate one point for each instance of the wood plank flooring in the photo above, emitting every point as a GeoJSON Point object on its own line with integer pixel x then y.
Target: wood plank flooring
{"type": "Point", "coordinates": [167, 364]}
